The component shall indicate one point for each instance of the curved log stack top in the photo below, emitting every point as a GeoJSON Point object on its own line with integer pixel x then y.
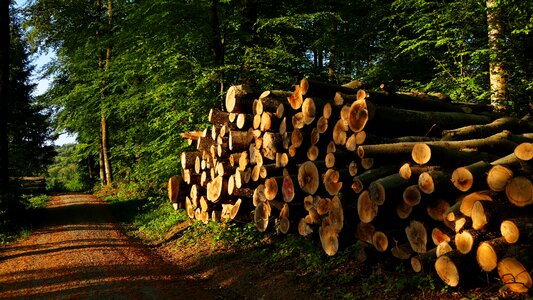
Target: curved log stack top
{"type": "Point", "coordinates": [437, 183]}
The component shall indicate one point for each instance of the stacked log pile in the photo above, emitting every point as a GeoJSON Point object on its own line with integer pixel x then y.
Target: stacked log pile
{"type": "Point", "coordinates": [446, 186]}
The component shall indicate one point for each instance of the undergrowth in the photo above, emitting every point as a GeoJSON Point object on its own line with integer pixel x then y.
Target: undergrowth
{"type": "Point", "coordinates": [18, 214]}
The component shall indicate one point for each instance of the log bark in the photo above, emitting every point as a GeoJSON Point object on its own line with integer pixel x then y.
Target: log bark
{"type": "Point", "coordinates": [484, 130]}
{"type": "Point", "coordinates": [361, 181]}
{"type": "Point", "coordinates": [463, 178]}
{"type": "Point", "coordinates": [272, 101]}
{"type": "Point", "coordinates": [489, 252]}
{"type": "Point", "coordinates": [188, 159]}
{"type": "Point", "coordinates": [414, 101]}
{"type": "Point", "coordinates": [524, 151]}
{"type": "Point", "coordinates": [379, 188]}
{"type": "Point", "coordinates": [498, 141]}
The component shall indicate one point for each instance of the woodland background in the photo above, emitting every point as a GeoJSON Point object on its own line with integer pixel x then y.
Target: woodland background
{"type": "Point", "coordinates": [131, 75]}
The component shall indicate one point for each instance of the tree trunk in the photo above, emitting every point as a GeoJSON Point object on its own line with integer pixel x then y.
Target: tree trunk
{"type": "Point", "coordinates": [497, 69]}
{"type": "Point", "coordinates": [4, 85]}
{"type": "Point", "coordinates": [218, 42]}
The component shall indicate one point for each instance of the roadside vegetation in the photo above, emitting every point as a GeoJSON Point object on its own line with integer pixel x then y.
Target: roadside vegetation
{"type": "Point", "coordinates": [344, 276]}
{"type": "Point", "coordinates": [19, 214]}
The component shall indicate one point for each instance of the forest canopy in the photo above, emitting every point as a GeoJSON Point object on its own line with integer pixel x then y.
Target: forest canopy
{"type": "Point", "coordinates": [130, 76]}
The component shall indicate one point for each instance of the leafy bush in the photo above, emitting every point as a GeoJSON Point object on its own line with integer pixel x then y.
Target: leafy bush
{"type": "Point", "coordinates": [18, 214]}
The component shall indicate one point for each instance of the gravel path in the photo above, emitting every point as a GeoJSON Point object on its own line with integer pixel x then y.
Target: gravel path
{"type": "Point", "coordinates": [79, 253]}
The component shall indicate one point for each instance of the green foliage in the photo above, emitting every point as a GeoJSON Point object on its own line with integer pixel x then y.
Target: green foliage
{"type": "Point", "coordinates": [18, 213]}
{"type": "Point", "coordinates": [67, 172]}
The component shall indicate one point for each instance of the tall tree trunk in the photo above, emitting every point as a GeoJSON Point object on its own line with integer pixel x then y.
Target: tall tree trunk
{"type": "Point", "coordinates": [103, 124]}
{"type": "Point", "coordinates": [497, 68]}
{"type": "Point", "coordinates": [218, 43]}
{"type": "Point", "coordinates": [248, 10]}
{"type": "Point", "coordinates": [4, 85]}
{"type": "Point", "coordinates": [101, 162]}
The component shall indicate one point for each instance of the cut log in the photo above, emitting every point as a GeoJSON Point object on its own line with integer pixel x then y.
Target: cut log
{"type": "Point", "coordinates": [188, 159]}
{"type": "Point", "coordinates": [272, 100]}
{"type": "Point", "coordinates": [240, 98]}
{"type": "Point", "coordinates": [359, 115]}
{"type": "Point", "coordinates": [430, 181]}
{"type": "Point", "coordinates": [463, 178]}
{"type": "Point", "coordinates": [498, 177]}
{"type": "Point", "coordinates": [443, 248]}
{"type": "Point", "coordinates": [216, 188]}
{"type": "Point", "coordinates": [366, 208]}
{"type": "Point", "coordinates": [517, 229]}
{"type": "Point", "coordinates": [402, 251]}
{"type": "Point", "coordinates": [423, 261]}
{"type": "Point", "coordinates": [380, 241]}
{"type": "Point", "coordinates": [364, 232]}
{"type": "Point", "coordinates": [324, 90]}
{"type": "Point", "coordinates": [519, 191]}
{"type": "Point", "coordinates": [524, 151]}
{"type": "Point", "coordinates": [497, 141]}
{"type": "Point", "coordinates": [441, 234]}
{"type": "Point", "coordinates": [469, 239]}
{"type": "Point", "coordinates": [437, 209]}
{"type": "Point", "coordinates": [407, 170]}
{"type": "Point", "coordinates": [331, 182]}
{"type": "Point", "coordinates": [271, 143]}
{"type": "Point", "coordinates": [362, 181]}
{"type": "Point", "coordinates": [403, 211]}
{"type": "Point", "coordinates": [339, 133]}
{"type": "Point", "coordinates": [412, 100]}
{"type": "Point", "coordinates": [468, 201]}
{"type": "Point", "coordinates": [514, 275]}
{"type": "Point", "coordinates": [417, 236]}
{"type": "Point", "coordinates": [239, 140]}
{"type": "Point", "coordinates": [336, 214]}
{"type": "Point", "coordinates": [176, 189]}
{"type": "Point", "coordinates": [269, 122]}
{"type": "Point", "coordinates": [451, 267]}
{"type": "Point", "coordinates": [484, 130]}
{"type": "Point", "coordinates": [411, 195]}
{"type": "Point", "coordinates": [261, 216]}
{"type": "Point", "coordinates": [488, 253]}
{"type": "Point", "coordinates": [378, 189]}
{"type": "Point", "coordinates": [271, 188]}
{"type": "Point", "coordinates": [309, 110]}
{"type": "Point", "coordinates": [304, 229]}
{"type": "Point", "coordinates": [329, 239]}
{"type": "Point", "coordinates": [308, 178]}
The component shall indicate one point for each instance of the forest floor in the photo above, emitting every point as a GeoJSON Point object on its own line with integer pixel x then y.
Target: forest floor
{"type": "Point", "coordinates": [80, 251]}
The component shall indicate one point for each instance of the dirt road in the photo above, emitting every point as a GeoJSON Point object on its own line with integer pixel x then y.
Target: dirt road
{"type": "Point", "coordinates": [79, 253]}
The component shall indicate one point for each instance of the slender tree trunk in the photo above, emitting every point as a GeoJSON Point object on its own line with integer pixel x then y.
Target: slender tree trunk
{"type": "Point", "coordinates": [248, 10]}
{"type": "Point", "coordinates": [497, 68]}
{"type": "Point", "coordinates": [101, 163]}
{"type": "Point", "coordinates": [218, 42]}
{"type": "Point", "coordinates": [4, 84]}
{"type": "Point", "coordinates": [103, 124]}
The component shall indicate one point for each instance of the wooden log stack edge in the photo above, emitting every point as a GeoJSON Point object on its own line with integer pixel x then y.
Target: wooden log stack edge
{"type": "Point", "coordinates": [447, 186]}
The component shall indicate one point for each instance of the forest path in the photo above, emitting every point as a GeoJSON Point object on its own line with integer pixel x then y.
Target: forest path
{"type": "Point", "coordinates": [80, 253]}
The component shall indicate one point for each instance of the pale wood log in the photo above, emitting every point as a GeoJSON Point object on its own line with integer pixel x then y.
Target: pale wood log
{"type": "Point", "coordinates": [339, 132]}
{"type": "Point", "coordinates": [495, 141]}
{"type": "Point", "coordinates": [411, 195]}
{"type": "Point", "coordinates": [269, 122]}
{"type": "Point", "coordinates": [517, 229]}
{"type": "Point", "coordinates": [469, 239]}
{"type": "Point", "coordinates": [239, 140]}
{"type": "Point", "coordinates": [441, 234]}
{"type": "Point", "coordinates": [467, 202]}
{"type": "Point", "coordinates": [261, 215]}
{"type": "Point", "coordinates": [298, 120]}
{"type": "Point", "coordinates": [188, 159]}
{"type": "Point", "coordinates": [322, 125]}
{"type": "Point", "coordinates": [452, 267]}
{"type": "Point", "coordinates": [329, 239]}
{"type": "Point", "coordinates": [489, 252]}
{"type": "Point", "coordinates": [366, 208]}
{"type": "Point", "coordinates": [380, 241]}
{"type": "Point", "coordinates": [352, 168]}
{"type": "Point", "coordinates": [359, 114]}
{"type": "Point", "coordinates": [430, 181]}
{"type": "Point", "coordinates": [417, 236]}
{"type": "Point", "coordinates": [403, 211]}
{"type": "Point", "coordinates": [524, 151]}
{"type": "Point", "coordinates": [303, 228]}
{"type": "Point", "coordinates": [365, 231]}
{"type": "Point", "coordinates": [519, 191]}
{"type": "Point", "coordinates": [216, 188]}
{"type": "Point", "coordinates": [498, 177]}
{"type": "Point", "coordinates": [422, 153]}
{"type": "Point", "coordinates": [443, 248]}
{"type": "Point", "coordinates": [463, 178]}
{"type": "Point", "coordinates": [271, 143]}
{"type": "Point", "coordinates": [272, 101]}
{"type": "Point", "coordinates": [423, 261]}
{"type": "Point", "coordinates": [437, 209]}
{"type": "Point", "coordinates": [308, 178]}
{"type": "Point", "coordinates": [239, 98]}
{"type": "Point", "coordinates": [514, 275]}
{"type": "Point", "coordinates": [244, 120]}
